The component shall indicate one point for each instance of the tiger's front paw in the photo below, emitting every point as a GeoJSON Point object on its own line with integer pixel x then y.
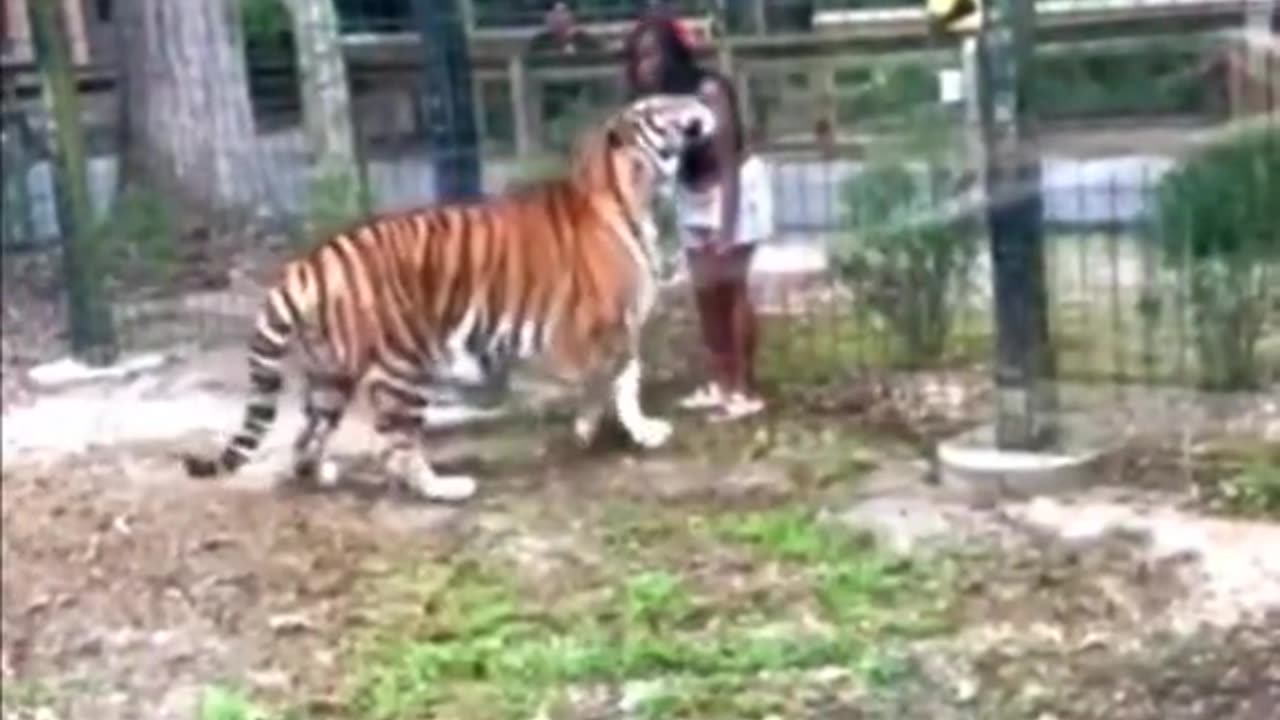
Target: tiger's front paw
{"type": "Point", "coordinates": [649, 433]}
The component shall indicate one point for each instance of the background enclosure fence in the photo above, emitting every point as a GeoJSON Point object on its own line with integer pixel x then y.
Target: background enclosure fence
{"type": "Point", "coordinates": [1157, 148]}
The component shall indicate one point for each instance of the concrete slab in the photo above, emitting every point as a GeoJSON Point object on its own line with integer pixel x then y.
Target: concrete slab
{"type": "Point", "coordinates": [972, 464]}
{"type": "Point", "coordinates": [69, 371]}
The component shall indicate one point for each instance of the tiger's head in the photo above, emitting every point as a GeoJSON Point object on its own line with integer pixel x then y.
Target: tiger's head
{"type": "Point", "coordinates": [661, 127]}
{"type": "Point", "coordinates": [643, 141]}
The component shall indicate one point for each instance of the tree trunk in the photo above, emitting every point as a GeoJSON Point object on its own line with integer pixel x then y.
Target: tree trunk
{"type": "Point", "coordinates": [337, 190]}
{"type": "Point", "coordinates": [188, 125]}
{"type": "Point", "coordinates": [1259, 55]}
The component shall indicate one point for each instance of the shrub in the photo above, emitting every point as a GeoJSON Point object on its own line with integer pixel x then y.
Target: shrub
{"type": "Point", "coordinates": [578, 110]}
{"type": "Point", "coordinates": [138, 240]}
{"type": "Point", "coordinates": [266, 24]}
{"type": "Point", "coordinates": [1216, 220]}
{"type": "Point", "coordinates": [335, 198]}
{"type": "Point", "coordinates": [908, 258]}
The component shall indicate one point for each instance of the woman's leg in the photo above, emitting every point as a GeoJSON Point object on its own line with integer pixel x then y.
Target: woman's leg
{"type": "Point", "coordinates": [746, 326]}
{"type": "Point", "coordinates": [744, 330]}
{"type": "Point", "coordinates": [715, 323]}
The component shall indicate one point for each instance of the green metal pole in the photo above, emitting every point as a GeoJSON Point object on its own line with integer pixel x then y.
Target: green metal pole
{"type": "Point", "coordinates": [1024, 366]}
{"type": "Point", "coordinates": [93, 338]}
{"type": "Point", "coordinates": [455, 139]}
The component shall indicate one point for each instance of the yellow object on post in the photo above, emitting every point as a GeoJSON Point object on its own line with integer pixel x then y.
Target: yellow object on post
{"type": "Point", "coordinates": [956, 16]}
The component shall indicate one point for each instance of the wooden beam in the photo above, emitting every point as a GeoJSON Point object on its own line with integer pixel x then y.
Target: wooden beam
{"type": "Point", "coordinates": [520, 107]}
{"type": "Point", "coordinates": [21, 49]}
{"type": "Point", "coordinates": [468, 16]}
{"type": "Point", "coordinates": [757, 17]}
{"type": "Point", "coordinates": [878, 32]}
{"type": "Point", "coordinates": [1261, 50]}
{"type": "Point", "coordinates": [19, 30]}
{"type": "Point", "coordinates": [73, 16]}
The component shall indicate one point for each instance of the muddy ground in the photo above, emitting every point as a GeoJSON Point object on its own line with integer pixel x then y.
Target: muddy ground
{"type": "Point", "coordinates": [129, 591]}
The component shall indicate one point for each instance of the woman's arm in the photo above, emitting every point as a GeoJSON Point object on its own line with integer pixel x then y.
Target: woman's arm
{"type": "Point", "coordinates": [725, 147]}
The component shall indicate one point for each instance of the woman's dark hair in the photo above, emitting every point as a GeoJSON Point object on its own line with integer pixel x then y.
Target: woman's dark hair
{"type": "Point", "coordinates": [680, 72]}
{"type": "Point", "coordinates": [680, 75]}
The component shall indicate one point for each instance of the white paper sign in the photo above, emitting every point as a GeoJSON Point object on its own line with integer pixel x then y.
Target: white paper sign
{"type": "Point", "coordinates": [951, 85]}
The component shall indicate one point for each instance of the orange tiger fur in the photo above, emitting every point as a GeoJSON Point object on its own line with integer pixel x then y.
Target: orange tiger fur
{"type": "Point", "coordinates": [563, 271]}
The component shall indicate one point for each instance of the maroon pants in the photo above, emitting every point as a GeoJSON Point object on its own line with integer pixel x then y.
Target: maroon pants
{"type": "Point", "coordinates": [727, 316]}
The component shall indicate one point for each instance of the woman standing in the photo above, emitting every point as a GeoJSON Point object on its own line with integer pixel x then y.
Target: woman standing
{"type": "Point", "coordinates": [723, 209]}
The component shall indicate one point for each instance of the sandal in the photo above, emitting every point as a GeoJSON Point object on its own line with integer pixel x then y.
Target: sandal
{"type": "Point", "coordinates": [739, 406]}
{"type": "Point", "coordinates": [707, 397]}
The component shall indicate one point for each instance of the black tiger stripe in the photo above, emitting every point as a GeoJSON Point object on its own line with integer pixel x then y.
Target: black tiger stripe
{"type": "Point", "coordinates": [265, 382]}
{"type": "Point", "coordinates": [265, 347]}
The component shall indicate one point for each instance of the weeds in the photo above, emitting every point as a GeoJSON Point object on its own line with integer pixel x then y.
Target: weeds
{"type": "Point", "coordinates": [477, 645]}
{"type": "Point", "coordinates": [18, 696]}
{"type": "Point", "coordinates": [335, 198]}
{"type": "Point", "coordinates": [220, 703]}
{"type": "Point", "coordinates": [1254, 489]}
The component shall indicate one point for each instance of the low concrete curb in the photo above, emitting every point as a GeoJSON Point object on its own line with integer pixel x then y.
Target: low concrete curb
{"type": "Point", "coordinates": [972, 465]}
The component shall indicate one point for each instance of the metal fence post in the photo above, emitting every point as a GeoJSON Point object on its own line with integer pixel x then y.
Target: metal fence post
{"type": "Point", "coordinates": [92, 335]}
{"type": "Point", "coordinates": [1024, 359]}
{"type": "Point", "coordinates": [451, 121]}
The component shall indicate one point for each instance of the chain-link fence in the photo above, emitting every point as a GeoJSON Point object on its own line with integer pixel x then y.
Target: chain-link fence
{"type": "Point", "coordinates": [1155, 125]}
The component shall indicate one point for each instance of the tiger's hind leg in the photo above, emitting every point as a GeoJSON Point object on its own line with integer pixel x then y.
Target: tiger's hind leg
{"type": "Point", "coordinates": [591, 409]}
{"type": "Point", "coordinates": [327, 399]}
{"type": "Point", "coordinates": [400, 408]}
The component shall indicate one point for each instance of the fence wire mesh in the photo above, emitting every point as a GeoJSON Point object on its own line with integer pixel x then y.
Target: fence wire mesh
{"type": "Point", "coordinates": [1161, 263]}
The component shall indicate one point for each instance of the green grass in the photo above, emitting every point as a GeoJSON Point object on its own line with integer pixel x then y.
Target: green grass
{"type": "Point", "coordinates": [850, 578]}
{"type": "Point", "coordinates": [1254, 490]}
{"type": "Point", "coordinates": [18, 695]}
{"type": "Point", "coordinates": [1242, 478]}
{"type": "Point", "coordinates": [700, 606]}
{"type": "Point", "coordinates": [222, 703]}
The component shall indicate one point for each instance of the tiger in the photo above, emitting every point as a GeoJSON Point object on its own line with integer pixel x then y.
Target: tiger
{"type": "Point", "coordinates": [450, 297]}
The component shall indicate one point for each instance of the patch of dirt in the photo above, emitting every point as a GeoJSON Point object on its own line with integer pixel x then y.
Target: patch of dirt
{"type": "Point", "coordinates": [127, 587]}
{"type": "Point", "coordinates": [128, 600]}
{"type": "Point", "coordinates": [1212, 673]}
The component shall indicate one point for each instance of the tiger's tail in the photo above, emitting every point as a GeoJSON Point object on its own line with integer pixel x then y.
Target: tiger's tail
{"type": "Point", "coordinates": [274, 332]}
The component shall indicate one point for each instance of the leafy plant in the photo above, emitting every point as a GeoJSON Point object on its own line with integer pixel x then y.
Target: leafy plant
{"type": "Point", "coordinates": [1255, 489]}
{"type": "Point", "coordinates": [138, 239]}
{"type": "Point", "coordinates": [1216, 220]}
{"type": "Point", "coordinates": [906, 255]}
{"type": "Point", "coordinates": [266, 24]}
{"type": "Point", "coordinates": [578, 109]}
{"type": "Point", "coordinates": [335, 198]}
